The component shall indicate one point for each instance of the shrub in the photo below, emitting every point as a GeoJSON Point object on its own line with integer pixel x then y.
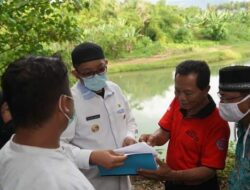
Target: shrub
{"type": "Point", "coordinates": [183, 35]}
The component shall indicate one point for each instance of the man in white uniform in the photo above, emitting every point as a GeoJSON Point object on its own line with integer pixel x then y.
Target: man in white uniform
{"type": "Point", "coordinates": [103, 118]}
{"type": "Point", "coordinates": [37, 92]}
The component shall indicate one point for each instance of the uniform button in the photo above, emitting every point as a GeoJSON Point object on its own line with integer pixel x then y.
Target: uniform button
{"type": "Point", "coordinates": [95, 128]}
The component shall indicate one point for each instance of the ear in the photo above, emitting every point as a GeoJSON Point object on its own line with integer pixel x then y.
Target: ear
{"type": "Point", "coordinates": [75, 73]}
{"type": "Point", "coordinates": [64, 104]}
{"type": "Point", "coordinates": [106, 61]}
{"type": "Point", "coordinates": [5, 113]}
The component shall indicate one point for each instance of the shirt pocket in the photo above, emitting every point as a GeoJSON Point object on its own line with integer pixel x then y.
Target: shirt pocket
{"type": "Point", "coordinates": [121, 114]}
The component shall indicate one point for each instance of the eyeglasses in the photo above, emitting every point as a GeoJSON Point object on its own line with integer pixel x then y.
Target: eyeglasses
{"type": "Point", "coordinates": [91, 74]}
{"type": "Point", "coordinates": [228, 99]}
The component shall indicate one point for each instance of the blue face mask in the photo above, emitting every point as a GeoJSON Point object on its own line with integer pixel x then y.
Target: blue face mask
{"type": "Point", "coordinates": [95, 83]}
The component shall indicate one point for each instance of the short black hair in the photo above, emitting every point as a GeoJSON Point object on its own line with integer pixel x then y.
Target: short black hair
{"type": "Point", "coordinates": [198, 67]}
{"type": "Point", "coordinates": [1, 103]}
{"type": "Point", "coordinates": [1, 98]}
{"type": "Point", "coordinates": [32, 86]}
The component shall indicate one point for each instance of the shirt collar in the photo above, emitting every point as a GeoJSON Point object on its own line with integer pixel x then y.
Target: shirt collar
{"type": "Point", "coordinates": [88, 94]}
{"type": "Point", "coordinates": [205, 111]}
{"type": "Point", "coordinates": [31, 149]}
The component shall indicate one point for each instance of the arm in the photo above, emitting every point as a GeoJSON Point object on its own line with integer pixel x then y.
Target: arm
{"type": "Point", "coordinates": [107, 158]}
{"type": "Point", "coordinates": [162, 135]}
{"type": "Point", "coordinates": [83, 158]}
{"type": "Point", "coordinates": [192, 176]}
{"type": "Point", "coordinates": [216, 143]}
{"type": "Point", "coordinates": [158, 138]}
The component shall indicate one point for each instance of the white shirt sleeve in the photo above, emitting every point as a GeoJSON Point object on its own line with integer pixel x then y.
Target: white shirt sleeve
{"type": "Point", "coordinates": [58, 183]}
{"type": "Point", "coordinates": [79, 156]}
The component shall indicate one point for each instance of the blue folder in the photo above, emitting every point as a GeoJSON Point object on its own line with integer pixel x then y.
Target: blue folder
{"type": "Point", "coordinates": [132, 164]}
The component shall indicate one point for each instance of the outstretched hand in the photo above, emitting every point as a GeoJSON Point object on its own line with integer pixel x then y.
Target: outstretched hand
{"type": "Point", "coordinates": [162, 173]}
{"type": "Point", "coordinates": [149, 139]}
{"type": "Point", "coordinates": [107, 158]}
{"type": "Point", "coordinates": [128, 141]}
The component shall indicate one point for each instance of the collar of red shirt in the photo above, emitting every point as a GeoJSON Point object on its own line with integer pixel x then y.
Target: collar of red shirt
{"type": "Point", "coordinates": [205, 111]}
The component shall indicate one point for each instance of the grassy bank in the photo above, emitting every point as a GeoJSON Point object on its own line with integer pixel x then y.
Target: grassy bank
{"type": "Point", "coordinates": [216, 54]}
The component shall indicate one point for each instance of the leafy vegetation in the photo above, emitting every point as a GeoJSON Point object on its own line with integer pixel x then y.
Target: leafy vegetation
{"type": "Point", "coordinates": [222, 54]}
{"type": "Point", "coordinates": [30, 26]}
{"type": "Point", "coordinates": [125, 29]}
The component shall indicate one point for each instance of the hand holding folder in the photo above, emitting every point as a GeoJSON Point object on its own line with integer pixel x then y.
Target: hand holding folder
{"type": "Point", "coordinates": [139, 156]}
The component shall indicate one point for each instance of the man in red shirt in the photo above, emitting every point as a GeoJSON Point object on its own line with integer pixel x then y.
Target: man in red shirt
{"type": "Point", "coordinates": [198, 137]}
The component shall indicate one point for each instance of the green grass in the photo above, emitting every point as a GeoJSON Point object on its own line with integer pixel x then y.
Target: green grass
{"type": "Point", "coordinates": [217, 54]}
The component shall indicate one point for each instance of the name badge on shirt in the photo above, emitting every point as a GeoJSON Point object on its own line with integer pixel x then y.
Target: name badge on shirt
{"type": "Point", "coordinates": [93, 117]}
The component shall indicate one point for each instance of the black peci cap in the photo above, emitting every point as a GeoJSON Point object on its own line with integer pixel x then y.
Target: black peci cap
{"type": "Point", "coordinates": [234, 78]}
{"type": "Point", "coordinates": [85, 52]}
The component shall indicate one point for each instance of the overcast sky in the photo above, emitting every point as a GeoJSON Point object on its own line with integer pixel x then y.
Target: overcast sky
{"type": "Point", "coordinates": [199, 3]}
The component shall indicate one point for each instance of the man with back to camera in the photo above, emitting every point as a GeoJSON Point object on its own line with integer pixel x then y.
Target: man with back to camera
{"type": "Point", "coordinates": [234, 91]}
{"type": "Point", "coordinates": [103, 118]}
{"type": "Point", "coordinates": [198, 137]}
{"type": "Point", "coordinates": [37, 92]}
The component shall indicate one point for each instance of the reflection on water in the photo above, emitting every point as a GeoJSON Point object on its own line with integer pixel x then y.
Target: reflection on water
{"type": "Point", "coordinates": [150, 93]}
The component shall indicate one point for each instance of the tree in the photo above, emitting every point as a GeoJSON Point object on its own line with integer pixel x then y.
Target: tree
{"type": "Point", "coordinates": [30, 26]}
{"type": "Point", "coordinates": [214, 24]}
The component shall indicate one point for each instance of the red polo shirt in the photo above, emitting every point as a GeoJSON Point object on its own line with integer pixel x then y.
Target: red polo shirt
{"type": "Point", "coordinates": [198, 141]}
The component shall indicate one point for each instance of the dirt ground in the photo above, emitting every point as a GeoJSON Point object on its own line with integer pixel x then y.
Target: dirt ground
{"type": "Point", "coordinates": [140, 183]}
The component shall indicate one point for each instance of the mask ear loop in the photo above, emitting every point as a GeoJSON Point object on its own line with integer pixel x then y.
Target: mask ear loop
{"type": "Point", "coordinates": [244, 99]}
{"type": "Point", "coordinates": [247, 131]}
{"type": "Point", "coordinates": [235, 131]}
{"type": "Point", "coordinates": [244, 141]}
{"type": "Point", "coordinates": [60, 107]}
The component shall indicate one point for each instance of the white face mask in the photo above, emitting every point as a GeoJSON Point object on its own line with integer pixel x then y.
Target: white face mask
{"type": "Point", "coordinates": [231, 111]}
